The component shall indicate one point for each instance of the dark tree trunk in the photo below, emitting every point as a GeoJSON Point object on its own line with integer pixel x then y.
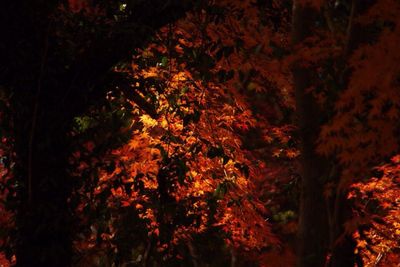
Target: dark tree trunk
{"type": "Point", "coordinates": [322, 242]}
{"type": "Point", "coordinates": [342, 243]}
{"type": "Point", "coordinates": [313, 224]}
{"type": "Point", "coordinates": [43, 217]}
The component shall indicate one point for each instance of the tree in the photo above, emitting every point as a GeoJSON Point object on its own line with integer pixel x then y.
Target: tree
{"type": "Point", "coordinates": [348, 112]}
{"type": "Point", "coordinates": [189, 148]}
{"type": "Point", "coordinates": [54, 63]}
{"type": "Point", "coordinates": [312, 229]}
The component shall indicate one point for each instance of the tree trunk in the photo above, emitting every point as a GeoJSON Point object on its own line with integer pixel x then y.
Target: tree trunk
{"type": "Point", "coordinates": [313, 241]}
{"type": "Point", "coordinates": [342, 243]}
{"type": "Point", "coordinates": [313, 224]}
{"type": "Point", "coordinates": [43, 217]}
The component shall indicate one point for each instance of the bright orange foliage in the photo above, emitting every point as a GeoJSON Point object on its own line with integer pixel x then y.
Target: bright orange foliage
{"type": "Point", "coordinates": [212, 149]}
{"type": "Point", "coordinates": [377, 216]}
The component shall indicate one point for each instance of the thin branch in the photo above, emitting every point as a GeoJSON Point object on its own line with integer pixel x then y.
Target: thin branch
{"type": "Point", "coordinates": [133, 95]}
{"type": "Point", "coordinates": [193, 254]}
{"type": "Point", "coordinates": [233, 256]}
{"type": "Point", "coordinates": [328, 17]}
{"type": "Point", "coordinates": [350, 27]}
{"type": "Point", "coordinates": [34, 117]}
{"type": "Point", "coordinates": [146, 254]}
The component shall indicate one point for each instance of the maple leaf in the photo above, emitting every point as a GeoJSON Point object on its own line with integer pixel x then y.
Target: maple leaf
{"type": "Point", "coordinates": [148, 121]}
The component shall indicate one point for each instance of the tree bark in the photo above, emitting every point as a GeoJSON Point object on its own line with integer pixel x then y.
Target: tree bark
{"type": "Point", "coordinates": [322, 240]}
{"type": "Point", "coordinates": [313, 224]}
{"type": "Point", "coordinates": [43, 217]}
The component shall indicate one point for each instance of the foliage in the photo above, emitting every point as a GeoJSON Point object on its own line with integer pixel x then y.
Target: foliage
{"type": "Point", "coordinates": [376, 224]}
{"type": "Point", "coordinates": [184, 171]}
{"type": "Point", "coordinates": [187, 151]}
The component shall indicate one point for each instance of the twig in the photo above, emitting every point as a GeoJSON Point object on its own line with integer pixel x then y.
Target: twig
{"type": "Point", "coordinates": [34, 117]}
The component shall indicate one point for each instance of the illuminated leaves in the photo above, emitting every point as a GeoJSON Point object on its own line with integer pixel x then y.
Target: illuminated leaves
{"type": "Point", "coordinates": [184, 172]}
{"type": "Point", "coordinates": [220, 90]}
{"type": "Point", "coordinates": [378, 204]}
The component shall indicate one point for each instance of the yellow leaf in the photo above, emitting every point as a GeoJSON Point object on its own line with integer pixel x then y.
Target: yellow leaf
{"type": "Point", "coordinates": [148, 121]}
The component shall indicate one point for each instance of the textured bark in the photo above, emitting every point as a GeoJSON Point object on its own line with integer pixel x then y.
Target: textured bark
{"type": "Point", "coordinates": [313, 224]}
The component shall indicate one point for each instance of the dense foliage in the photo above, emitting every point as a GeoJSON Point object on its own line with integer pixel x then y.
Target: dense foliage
{"type": "Point", "coordinates": [200, 133]}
